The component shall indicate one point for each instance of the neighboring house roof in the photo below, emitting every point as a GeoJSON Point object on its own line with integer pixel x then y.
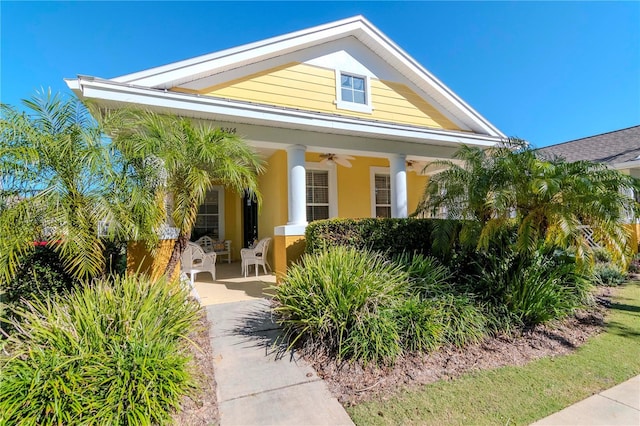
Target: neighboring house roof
{"type": "Point", "coordinates": [200, 87]}
{"type": "Point", "coordinates": [618, 148]}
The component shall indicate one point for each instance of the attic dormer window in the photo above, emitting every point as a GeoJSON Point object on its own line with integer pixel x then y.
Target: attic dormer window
{"type": "Point", "coordinates": [352, 88]}
{"type": "Point", "coordinates": [353, 92]}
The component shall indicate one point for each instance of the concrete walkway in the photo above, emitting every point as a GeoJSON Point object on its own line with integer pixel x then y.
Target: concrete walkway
{"type": "Point", "coordinates": [260, 382]}
{"type": "Point", "coordinates": [619, 405]}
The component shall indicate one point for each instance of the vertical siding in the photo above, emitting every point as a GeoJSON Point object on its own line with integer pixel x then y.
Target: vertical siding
{"type": "Point", "coordinates": [312, 88]}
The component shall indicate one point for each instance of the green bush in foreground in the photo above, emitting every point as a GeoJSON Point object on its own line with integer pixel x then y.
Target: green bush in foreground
{"type": "Point", "coordinates": [111, 353]}
{"type": "Point", "coordinates": [41, 274]}
{"type": "Point", "coordinates": [360, 306]}
{"type": "Point", "coordinates": [536, 288]}
{"type": "Point", "coordinates": [339, 298]}
{"type": "Point", "coordinates": [608, 275]}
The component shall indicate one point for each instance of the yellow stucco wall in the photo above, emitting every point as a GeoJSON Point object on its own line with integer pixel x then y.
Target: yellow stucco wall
{"type": "Point", "coordinates": [141, 260]}
{"type": "Point", "coordinates": [233, 223]}
{"type": "Point", "coordinates": [274, 209]}
{"type": "Point", "coordinates": [312, 88]}
{"type": "Point", "coordinates": [287, 249]}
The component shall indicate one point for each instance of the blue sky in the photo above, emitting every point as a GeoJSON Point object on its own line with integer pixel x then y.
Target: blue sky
{"type": "Point", "coordinates": [547, 72]}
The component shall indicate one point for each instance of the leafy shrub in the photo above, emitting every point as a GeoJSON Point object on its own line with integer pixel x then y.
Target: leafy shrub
{"type": "Point", "coordinates": [608, 275]}
{"type": "Point", "coordinates": [427, 276]}
{"type": "Point", "coordinates": [462, 320]}
{"type": "Point", "coordinates": [634, 265]}
{"type": "Point", "coordinates": [373, 337]}
{"type": "Point", "coordinates": [41, 274]}
{"type": "Point", "coordinates": [339, 298]}
{"type": "Point", "coordinates": [419, 325]}
{"type": "Point", "coordinates": [535, 288]}
{"type": "Point", "coordinates": [359, 305]}
{"type": "Point", "coordinates": [115, 255]}
{"type": "Point", "coordinates": [392, 236]}
{"type": "Point", "coordinates": [110, 353]}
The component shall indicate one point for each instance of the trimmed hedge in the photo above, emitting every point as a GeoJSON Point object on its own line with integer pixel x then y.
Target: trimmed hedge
{"type": "Point", "coordinates": [393, 236]}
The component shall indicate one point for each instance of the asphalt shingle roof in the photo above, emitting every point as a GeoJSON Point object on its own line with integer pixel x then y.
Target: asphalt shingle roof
{"type": "Point", "coordinates": [618, 146]}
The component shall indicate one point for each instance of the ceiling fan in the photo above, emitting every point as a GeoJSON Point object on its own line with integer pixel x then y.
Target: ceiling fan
{"type": "Point", "coordinates": [416, 166]}
{"type": "Point", "coordinates": [340, 159]}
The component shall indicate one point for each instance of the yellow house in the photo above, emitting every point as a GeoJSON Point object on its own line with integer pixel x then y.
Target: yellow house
{"type": "Point", "coordinates": [345, 119]}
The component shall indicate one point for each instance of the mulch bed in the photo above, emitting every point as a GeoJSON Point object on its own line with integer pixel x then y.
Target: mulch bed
{"type": "Point", "coordinates": [352, 383]}
{"type": "Point", "coordinates": [200, 408]}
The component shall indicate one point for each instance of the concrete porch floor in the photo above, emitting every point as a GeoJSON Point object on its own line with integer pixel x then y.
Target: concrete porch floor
{"type": "Point", "coordinates": [230, 286]}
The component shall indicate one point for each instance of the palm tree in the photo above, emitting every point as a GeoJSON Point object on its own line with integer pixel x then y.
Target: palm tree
{"type": "Point", "coordinates": [53, 165]}
{"type": "Point", "coordinates": [547, 200]}
{"type": "Point", "coordinates": [180, 160]}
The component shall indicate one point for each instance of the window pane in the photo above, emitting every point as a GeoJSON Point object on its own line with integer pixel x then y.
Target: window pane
{"type": "Point", "coordinates": [321, 195]}
{"type": "Point", "coordinates": [320, 178]}
{"type": "Point", "coordinates": [309, 194]}
{"type": "Point", "coordinates": [382, 182]}
{"type": "Point", "coordinates": [383, 211]}
{"type": "Point", "coordinates": [317, 213]}
{"type": "Point", "coordinates": [358, 83]}
{"type": "Point", "coordinates": [347, 95]}
{"type": "Point", "coordinates": [358, 97]}
{"type": "Point", "coordinates": [346, 81]}
{"type": "Point", "coordinates": [383, 196]}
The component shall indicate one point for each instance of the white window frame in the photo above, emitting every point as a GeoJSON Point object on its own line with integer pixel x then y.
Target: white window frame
{"type": "Point", "coordinates": [220, 190]}
{"type": "Point", "coordinates": [367, 107]}
{"type": "Point", "coordinates": [333, 185]}
{"type": "Point", "coordinates": [373, 171]}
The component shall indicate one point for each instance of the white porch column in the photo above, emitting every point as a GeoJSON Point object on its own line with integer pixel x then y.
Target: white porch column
{"type": "Point", "coordinates": [398, 172]}
{"type": "Point", "coordinates": [297, 185]}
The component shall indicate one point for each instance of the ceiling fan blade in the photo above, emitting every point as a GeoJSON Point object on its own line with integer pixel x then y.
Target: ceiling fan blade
{"type": "Point", "coordinates": [342, 161]}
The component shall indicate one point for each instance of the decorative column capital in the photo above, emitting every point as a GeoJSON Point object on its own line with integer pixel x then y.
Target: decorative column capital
{"type": "Point", "coordinates": [296, 147]}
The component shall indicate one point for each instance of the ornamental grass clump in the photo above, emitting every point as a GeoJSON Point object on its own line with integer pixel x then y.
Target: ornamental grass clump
{"type": "Point", "coordinates": [342, 299]}
{"type": "Point", "coordinates": [358, 305]}
{"type": "Point", "coordinates": [536, 288]}
{"type": "Point", "coordinates": [111, 353]}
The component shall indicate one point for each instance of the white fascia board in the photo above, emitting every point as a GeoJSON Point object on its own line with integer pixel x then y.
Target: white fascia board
{"type": "Point", "coordinates": [626, 165]}
{"type": "Point", "coordinates": [414, 67]}
{"type": "Point", "coordinates": [235, 111]}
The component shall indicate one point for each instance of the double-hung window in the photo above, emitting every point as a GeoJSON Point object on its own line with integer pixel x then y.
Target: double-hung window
{"type": "Point", "coordinates": [317, 195]}
{"type": "Point", "coordinates": [210, 218]}
{"type": "Point", "coordinates": [322, 191]}
{"type": "Point", "coordinates": [380, 192]}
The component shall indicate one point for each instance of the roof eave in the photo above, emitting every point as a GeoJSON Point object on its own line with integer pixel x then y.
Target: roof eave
{"type": "Point", "coordinates": [107, 91]}
{"type": "Point", "coordinates": [626, 165]}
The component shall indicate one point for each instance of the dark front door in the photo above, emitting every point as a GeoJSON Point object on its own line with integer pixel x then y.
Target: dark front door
{"type": "Point", "coordinates": [249, 219]}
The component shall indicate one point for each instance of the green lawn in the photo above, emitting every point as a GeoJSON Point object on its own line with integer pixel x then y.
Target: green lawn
{"type": "Point", "coordinates": [521, 395]}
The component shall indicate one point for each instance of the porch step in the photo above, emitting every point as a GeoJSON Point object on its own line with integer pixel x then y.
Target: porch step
{"type": "Point", "coordinates": [259, 381]}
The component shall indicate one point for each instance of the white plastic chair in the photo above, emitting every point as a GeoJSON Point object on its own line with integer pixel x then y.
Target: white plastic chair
{"type": "Point", "coordinates": [256, 256]}
{"type": "Point", "coordinates": [208, 245]}
{"type": "Point", "coordinates": [194, 260]}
